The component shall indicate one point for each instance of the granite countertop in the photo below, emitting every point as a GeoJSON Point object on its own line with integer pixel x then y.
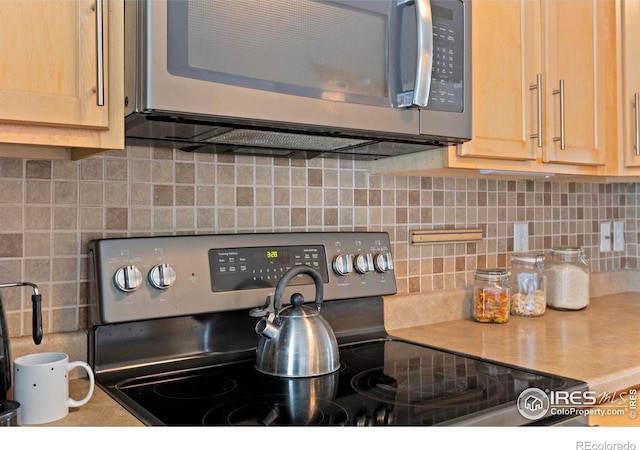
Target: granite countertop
{"type": "Point", "coordinates": [599, 345]}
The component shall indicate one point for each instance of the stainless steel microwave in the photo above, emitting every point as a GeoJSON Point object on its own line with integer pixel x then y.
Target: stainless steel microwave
{"type": "Point", "coordinates": [298, 78]}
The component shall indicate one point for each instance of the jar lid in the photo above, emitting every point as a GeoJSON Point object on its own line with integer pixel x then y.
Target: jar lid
{"type": "Point", "coordinates": [491, 273]}
{"type": "Point", "coordinates": [566, 251]}
{"type": "Point", "coordinates": [528, 258]}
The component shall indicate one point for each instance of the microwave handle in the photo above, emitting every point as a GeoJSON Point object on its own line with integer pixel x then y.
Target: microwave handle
{"type": "Point", "coordinates": [419, 96]}
{"type": "Point", "coordinates": [424, 27]}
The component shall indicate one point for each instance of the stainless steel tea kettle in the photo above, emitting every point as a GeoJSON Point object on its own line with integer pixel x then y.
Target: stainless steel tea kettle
{"type": "Point", "coordinates": [297, 341]}
{"type": "Point", "coordinates": [5, 356]}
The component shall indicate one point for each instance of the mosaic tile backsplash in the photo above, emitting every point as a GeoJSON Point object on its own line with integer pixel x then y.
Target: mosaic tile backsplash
{"type": "Point", "coordinates": [50, 210]}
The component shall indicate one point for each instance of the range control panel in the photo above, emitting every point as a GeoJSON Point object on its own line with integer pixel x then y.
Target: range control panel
{"type": "Point", "coordinates": [165, 276]}
{"type": "Point", "coordinates": [258, 267]}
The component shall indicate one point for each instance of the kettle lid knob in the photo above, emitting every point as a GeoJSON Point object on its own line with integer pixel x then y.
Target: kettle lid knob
{"type": "Point", "coordinates": [297, 300]}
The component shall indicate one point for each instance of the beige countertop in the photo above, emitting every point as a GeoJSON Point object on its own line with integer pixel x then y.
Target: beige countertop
{"type": "Point", "coordinates": [599, 345]}
{"type": "Point", "coordinates": [101, 410]}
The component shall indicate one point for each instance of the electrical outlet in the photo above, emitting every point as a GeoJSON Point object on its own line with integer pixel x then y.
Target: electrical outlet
{"type": "Point", "coordinates": [521, 237]}
{"type": "Point", "coordinates": [605, 236]}
{"type": "Point", "coordinates": [618, 236]}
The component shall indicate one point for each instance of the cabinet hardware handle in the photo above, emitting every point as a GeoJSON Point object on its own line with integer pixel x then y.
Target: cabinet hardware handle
{"type": "Point", "coordinates": [538, 87]}
{"type": "Point", "coordinates": [99, 53]}
{"type": "Point", "coordinates": [636, 107]}
{"type": "Point", "coordinates": [562, 131]}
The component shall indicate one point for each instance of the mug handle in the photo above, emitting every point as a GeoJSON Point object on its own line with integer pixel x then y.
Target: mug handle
{"type": "Point", "coordinates": [72, 365]}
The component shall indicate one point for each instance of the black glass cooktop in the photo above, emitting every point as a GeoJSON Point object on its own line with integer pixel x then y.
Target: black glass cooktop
{"type": "Point", "coordinates": [385, 382]}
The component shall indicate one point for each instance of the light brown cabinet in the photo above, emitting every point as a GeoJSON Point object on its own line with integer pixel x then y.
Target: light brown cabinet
{"type": "Point", "coordinates": [628, 158]}
{"type": "Point", "coordinates": [579, 44]}
{"type": "Point", "coordinates": [543, 77]}
{"type": "Point", "coordinates": [506, 60]}
{"type": "Point", "coordinates": [61, 86]}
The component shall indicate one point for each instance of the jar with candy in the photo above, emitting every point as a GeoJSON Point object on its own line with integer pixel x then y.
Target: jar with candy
{"type": "Point", "coordinates": [528, 280]}
{"type": "Point", "coordinates": [491, 295]}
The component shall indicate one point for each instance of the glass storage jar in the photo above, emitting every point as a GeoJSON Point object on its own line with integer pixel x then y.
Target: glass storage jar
{"type": "Point", "coordinates": [491, 293]}
{"type": "Point", "coordinates": [567, 279]}
{"type": "Point", "coordinates": [529, 285]}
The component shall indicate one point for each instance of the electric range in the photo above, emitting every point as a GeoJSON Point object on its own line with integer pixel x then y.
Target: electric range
{"type": "Point", "coordinates": [172, 339]}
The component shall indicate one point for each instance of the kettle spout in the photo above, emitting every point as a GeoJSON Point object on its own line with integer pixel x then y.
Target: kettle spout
{"type": "Point", "coordinates": [267, 328]}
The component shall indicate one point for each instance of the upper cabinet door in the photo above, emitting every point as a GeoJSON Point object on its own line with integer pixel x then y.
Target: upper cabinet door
{"type": "Point", "coordinates": [506, 62]}
{"type": "Point", "coordinates": [630, 79]}
{"type": "Point", "coordinates": [577, 45]}
{"type": "Point", "coordinates": [50, 89]}
{"type": "Point", "coordinates": [50, 64]}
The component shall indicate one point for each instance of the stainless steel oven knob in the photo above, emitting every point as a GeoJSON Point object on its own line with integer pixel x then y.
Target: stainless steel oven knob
{"type": "Point", "coordinates": [364, 420]}
{"type": "Point", "coordinates": [384, 416]}
{"type": "Point", "coordinates": [343, 264]}
{"type": "Point", "coordinates": [162, 276]}
{"type": "Point", "coordinates": [383, 262]}
{"type": "Point", "coordinates": [128, 278]}
{"type": "Point", "coordinates": [363, 263]}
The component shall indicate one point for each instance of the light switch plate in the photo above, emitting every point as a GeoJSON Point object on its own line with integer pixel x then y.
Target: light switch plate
{"type": "Point", "coordinates": [618, 236]}
{"type": "Point", "coordinates": [605, 236]}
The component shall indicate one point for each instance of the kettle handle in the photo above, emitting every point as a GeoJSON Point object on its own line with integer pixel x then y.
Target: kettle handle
{"type": "Point", "coordinates": [290, 275]}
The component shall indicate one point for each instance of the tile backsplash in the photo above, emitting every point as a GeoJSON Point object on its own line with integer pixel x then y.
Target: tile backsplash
{"type": "Point", "coordinates": [50, 210]}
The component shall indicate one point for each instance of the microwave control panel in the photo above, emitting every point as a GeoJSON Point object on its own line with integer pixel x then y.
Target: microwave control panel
{"type": "Point", "coordinates": [447, 73]}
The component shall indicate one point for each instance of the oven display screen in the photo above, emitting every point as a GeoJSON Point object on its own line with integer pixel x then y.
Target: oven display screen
{"type": "Point", "coordinates": [235, 269]}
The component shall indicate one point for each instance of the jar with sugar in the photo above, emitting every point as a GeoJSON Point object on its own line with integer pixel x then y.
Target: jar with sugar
{"type": "Point", "coordinates": [567, 279]}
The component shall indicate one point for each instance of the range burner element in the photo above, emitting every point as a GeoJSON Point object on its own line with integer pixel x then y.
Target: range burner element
{"type": "Point", "coordinates": [410, 379]}
{"type": "Point", "coordinates": [190, 388]}
{"type": "Point", "coordinates": [277, 410]}
{"type": "Point", "coordinates": [375, 383]}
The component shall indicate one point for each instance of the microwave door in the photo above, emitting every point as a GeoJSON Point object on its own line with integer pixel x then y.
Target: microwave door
{"type": "Point", "coordinates": [333, 50]}
{"type": "Point", "coordinates": [302, 64]}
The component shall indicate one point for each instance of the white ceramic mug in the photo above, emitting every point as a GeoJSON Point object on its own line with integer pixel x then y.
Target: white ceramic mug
{"type": "Point", "coordinates": [41, 386]}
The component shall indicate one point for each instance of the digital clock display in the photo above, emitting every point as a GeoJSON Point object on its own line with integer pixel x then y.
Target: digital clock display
{"type": "Point", "coordinates": [273, 255]}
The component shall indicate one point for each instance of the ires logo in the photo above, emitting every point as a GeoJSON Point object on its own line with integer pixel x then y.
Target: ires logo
{"type": "Point", "coordinates": [534, 403]}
